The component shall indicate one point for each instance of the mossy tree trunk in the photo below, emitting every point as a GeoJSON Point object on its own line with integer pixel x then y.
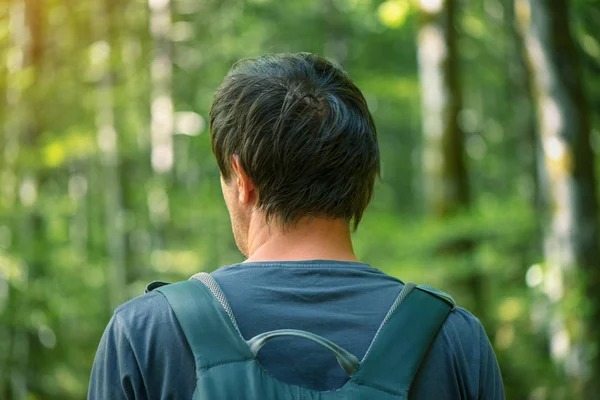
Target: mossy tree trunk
{"type": "Point", "coordinates": [446, 182]}
{"type": "Point", "coordinates": [572, 275]}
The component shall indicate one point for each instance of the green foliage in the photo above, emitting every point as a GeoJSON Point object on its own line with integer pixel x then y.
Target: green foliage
{"type": "Point", "coordinates": [55, 263]}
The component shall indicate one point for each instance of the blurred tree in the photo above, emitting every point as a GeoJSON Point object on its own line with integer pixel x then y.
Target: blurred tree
{"type": "Point", "coordinates": [524, 116]}
{"type": "Point", "coordinates": [31, 230]}
{"type": "Point", "coordinates": [161, 118]}
{"type": "Point", "coordinates": [572, 275]}
{"type": "Point", "coordinates": [24, 131]}
{"type": "Point", "coordinates": [446, 181]}
{"type": "Point", "coordinates": [445, 174]}
{"type": "Point", "coordinates": [104, 54]}
{"type": "Point", "coordinates": [162, 102]}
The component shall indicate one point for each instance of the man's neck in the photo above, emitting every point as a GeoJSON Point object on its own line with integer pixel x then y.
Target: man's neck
{"type": "Point", "coordinates": [309, 239]}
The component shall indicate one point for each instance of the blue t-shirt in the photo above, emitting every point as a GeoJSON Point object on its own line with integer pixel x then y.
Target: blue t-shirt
{"type": "Point", "coordinates": [143, 353]}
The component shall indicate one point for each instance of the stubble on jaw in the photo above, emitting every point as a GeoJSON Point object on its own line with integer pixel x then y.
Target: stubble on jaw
{"type": "Point", "coordinates": [236, 218]}
{"type": "Point", "coordinates": [240, 225]}
{"type": "Point", "coordinates": [239, 233]}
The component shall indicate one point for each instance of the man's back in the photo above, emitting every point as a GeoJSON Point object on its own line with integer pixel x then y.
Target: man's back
{"type": "Point", "coordinates": [297, 151]}
{"type": "Point", "coordinates": [144, 354]}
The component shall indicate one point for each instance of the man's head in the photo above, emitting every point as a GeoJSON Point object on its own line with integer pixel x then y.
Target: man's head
{"type": "Point", "coordinates": [293, 138]}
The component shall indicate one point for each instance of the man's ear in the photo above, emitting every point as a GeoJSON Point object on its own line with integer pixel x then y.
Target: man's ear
{"type": "Point", "coordinates": [245, 186]}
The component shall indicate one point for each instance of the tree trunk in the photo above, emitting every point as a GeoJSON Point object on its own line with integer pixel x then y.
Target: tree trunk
{"type": "Point", "coordinates": [134, 74]}
{"type": "Point", "coordinates": [161, 117]}
{"type": "Point", "coordinates": [8, 190]}
{"type": "Point", "coordinates": [161, 75]}
{"type": "Point", "coordinates": [571, 236]}
{"type": "Point", "coordinates": [446, 181]}
{"type": "Point", "coordinates": [27, 22]}
{"type": "Point", "coordinates": [524, 123]}
{"type": "Point", "coordinates": [105, 55]}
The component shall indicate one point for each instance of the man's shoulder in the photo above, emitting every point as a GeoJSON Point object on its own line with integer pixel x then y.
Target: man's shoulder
{"type": "Point", "coordinates": [461, 324]}
{"type": "Point", "coordinates": [146, 312]}
{"type": "Point", "coordinates": [458, 358]}
{"type": "Point", "coordinates": [151, 327]}
{"type": "Point", "coordinates": [142, 334]}
{"type": "Point", "coordinates": [462, 341]}
{"type": "Point", "coordinates": [462, 334]}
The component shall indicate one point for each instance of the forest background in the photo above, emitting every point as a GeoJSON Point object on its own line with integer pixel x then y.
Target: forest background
{"type": "Point", "coordinates": [488, 116]}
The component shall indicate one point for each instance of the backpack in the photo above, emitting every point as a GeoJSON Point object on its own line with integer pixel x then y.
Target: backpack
{"type": "Point", "coordinates": [226, 365]}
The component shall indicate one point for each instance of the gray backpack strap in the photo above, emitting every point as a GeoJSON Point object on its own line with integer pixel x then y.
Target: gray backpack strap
{"type": "Point", "coordinates": [403, 339]}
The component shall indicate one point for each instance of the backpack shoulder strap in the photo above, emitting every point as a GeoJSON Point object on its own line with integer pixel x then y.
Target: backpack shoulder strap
{"type": "Point", "coordinates": [403, 339]}
{"type": "Point", "coordinates": [210, 330]}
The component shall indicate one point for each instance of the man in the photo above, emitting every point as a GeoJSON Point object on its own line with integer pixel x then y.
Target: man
{"type": "Point", "coordinates": [298, 155]}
